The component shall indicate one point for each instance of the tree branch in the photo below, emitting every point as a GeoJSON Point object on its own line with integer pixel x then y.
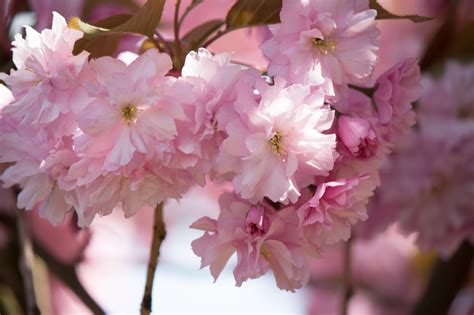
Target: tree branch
{"type": "Point", "coordinates": [26, 262]}
{"type": "Point", "coordinates": [347, 289]}
{"type": "Point", "coordinates": [176, 26]}
{"type": "Point", "coordinates": [447, 279]}
{"type": "Point", "coordinates": [159, 234]}
{"type": "Point", "coordinates": [68, 275]}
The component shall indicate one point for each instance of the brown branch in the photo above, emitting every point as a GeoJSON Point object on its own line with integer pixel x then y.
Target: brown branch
{"type": "Point", "coordinates": [68, 275]}
{"type": "Point", "coordinates": [446, 281]}
{"type": "Point", "coordinates": [218, 35]}
{"type": "Point", "coordinates": [26, 263]}
{"type": "Point", "coordinates": [347, 288]}
{"type": "Point", "coordinates": [159, 234]}
{"type": "Point", "coordinates": [178, 57]}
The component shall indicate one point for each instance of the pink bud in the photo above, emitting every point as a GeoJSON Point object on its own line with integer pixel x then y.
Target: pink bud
{"type": "Point", "coordinates": [257, 221]}
{"type": "Point", "coordinates": [358, 136]}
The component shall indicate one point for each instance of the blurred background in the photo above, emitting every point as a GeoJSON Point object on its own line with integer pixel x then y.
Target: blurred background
{"type": "Point", "coordinates": [396, 267]}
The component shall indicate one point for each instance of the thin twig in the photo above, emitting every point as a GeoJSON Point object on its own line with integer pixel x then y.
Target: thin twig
{"type": "Point", "coordinates": [26, 263]}
{"type": "Point", "coordinates": [68, 275]}
{"type": "Point", "coordinates": [159, 234]}
{"type": "Point", "coordinates": [216, 37]}
{"type": "Point", "coordinates": [347, 289]}
{"type": "Point", "coordinates": [176, 35]}
{"type": "Point", "coordinates": [188, 10]}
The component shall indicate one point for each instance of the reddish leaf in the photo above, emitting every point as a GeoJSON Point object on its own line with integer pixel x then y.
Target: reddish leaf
{"type": "Point", "coordinates": [245, 13]}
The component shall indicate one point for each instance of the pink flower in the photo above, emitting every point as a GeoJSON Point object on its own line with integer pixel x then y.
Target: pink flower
{"type": "Point", "coordinates": [125, 143]}
{"type": "Point", "coordinates": [318, 41]}
{"type": "Point", "coordinates": [433, 187]}
{"type": "Point", "coordinates": [130, 193]}
{"type": "Point", "coordinates": [47, 83]}
{"type": "Point", "coordinates": [396, 89]}
{"type": "Point", "coordinates": [40, 168]}
{"type": "Point", "coordinates": [261, 238]}
{"type": "Point", "coordinates": [335, 206]}
{"type": "Point", "coordinates": [213, 79]}
{"type": "Point", "coordinates": [358, 136]}
{"type": "Point", "coordinates": [133, 112]}
{"type": "Point", "coordinates": [6, 97]}
{"type": "Point", "coordinates": [455, 86]}
{"type": "Point", "coordinates": [429, 179]}
{"type": "Point", "coordinates": [278, 141]}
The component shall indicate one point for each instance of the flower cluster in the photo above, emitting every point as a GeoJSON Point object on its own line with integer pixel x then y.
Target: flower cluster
{"type": "Point", "coordinates": [431, 174]}
{"type": "Point", "coordinates": [301, 147]}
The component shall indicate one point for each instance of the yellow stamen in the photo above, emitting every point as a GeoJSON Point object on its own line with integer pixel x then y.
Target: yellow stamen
{"type": "Point", "coordinates": [324, 45]}
{"type": "Point", "coordinates": [276, 143]}
{"type": "Point", "coordinates": [73, 23]}
{"type": "Point", "coordinates": [129, 113]}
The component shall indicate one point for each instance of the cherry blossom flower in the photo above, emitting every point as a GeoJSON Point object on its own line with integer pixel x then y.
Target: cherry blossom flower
{"type": "Point", "coordinates": [40, 166]}
{"type": "Point", "coordinates": [47, 83]}
{"type": "Point", "coordinates": [358, 136]}
{"type": "Point", "coordinates": [262, 239]}
{"type": "Point", "coordinates": [323, 42]}
{"type": "Point", "coordinates": [126, 139]}
{"type": "Point", "coordinates": [213, 79]}
{"type": "Point", "coordinates": [432, 187]}
{"type": "Point", "coordinates": [396, 90]}
{"type": "Point", "coordinates": [278, 143]}
{"type": "Point", "coordinates": [327, 217]}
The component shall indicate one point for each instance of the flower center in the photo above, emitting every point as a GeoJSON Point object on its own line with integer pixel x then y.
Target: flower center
{"type": "Point", "coordinates": [276, 143]}
{"type": "Point", "coordinates": [214, 122]}
{"type": "Point", "coordinates": [129, 113]}
{"type": "Point", "coordinates": [324, 45]}
{"type": "Point", "coordinates": [256, 222]}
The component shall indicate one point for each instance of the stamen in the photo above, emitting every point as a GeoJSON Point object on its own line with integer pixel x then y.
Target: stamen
{"type": "Point", "coordinates": [214, 122]}
{"type": "Point", "coordinates": [129, 113]}
{"type": "Point", "coordinates": [276, 143]}
{"type": "Point", "coordinates": [324, 45]}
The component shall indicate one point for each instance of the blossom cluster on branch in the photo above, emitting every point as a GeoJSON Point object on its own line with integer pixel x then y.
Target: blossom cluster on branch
{"type": "Point", "coordinates": [302, 146]}
{"type": "Point", "coordinates": [433, 187]}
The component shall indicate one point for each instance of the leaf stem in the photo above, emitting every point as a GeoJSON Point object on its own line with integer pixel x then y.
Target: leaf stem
{"type": "Point", "coordinates": [216, 37]}
{"type": "Point", "coordinates": [159, 234]}
{"type": "Point", "coordinates": [193, 4]}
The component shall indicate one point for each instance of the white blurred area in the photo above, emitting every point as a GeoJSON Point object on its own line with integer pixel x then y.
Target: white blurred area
{"type": "Point", "coordinates": [114, 269]}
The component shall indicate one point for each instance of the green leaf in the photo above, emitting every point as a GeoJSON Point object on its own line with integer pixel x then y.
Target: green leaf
{"type": "Point", "coordinates": [90, 5]}
{"type": "Point", "coordinates": [245, 13]}
{"type": "Point", "coordinates": [89, 30]}
{"type": "Point", "coordinates": [145, 21]}
{"type": "Point", "coordinates": [196, 37]}
{"type": "Point", "coordinates": [102, 39]}
{"type": "Point", "coordinates": [383, 14]}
